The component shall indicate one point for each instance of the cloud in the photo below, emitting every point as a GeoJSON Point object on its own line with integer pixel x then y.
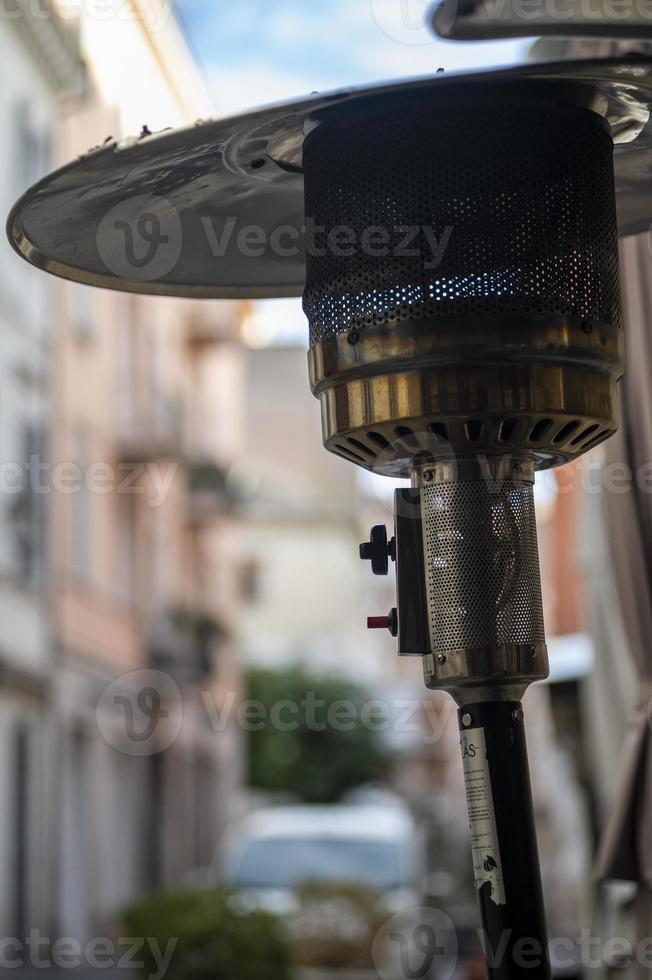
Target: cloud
{"type": "Point", "coordinates": [257, 52]}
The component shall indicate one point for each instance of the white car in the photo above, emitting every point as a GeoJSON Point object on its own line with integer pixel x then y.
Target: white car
{"type": "Point", "coordinates": [278, 849]}
{"type": "Point", "coordinates": [307, 863]}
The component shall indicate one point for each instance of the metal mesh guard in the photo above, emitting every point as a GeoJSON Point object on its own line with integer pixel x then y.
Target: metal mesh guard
{"type": "Point", "coordinates": [481, 206]}
{"type": "Point", "coordinates": [482, 564]}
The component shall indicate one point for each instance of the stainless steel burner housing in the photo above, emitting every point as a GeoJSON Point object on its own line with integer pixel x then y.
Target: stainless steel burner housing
{"type": "Point", "coordinates": [462, 280]}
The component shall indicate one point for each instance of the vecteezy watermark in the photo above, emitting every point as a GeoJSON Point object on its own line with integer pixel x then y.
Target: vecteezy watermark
{"type": "Point", "coordinates": [419, 943]}
{"type": "Point", "coordinates": [593, 476]}
{"type": "Point", "coordinates": [405, 21]}
{"type": "Point", "coordinates": [532, 12]}
{"type": "Point", "coordinates": [154, 14]}
{"type": "Point", "coordinates": [142, 238]}
{"type": "Point", "coordinates": [342, 241]}
{"type": "Point", "coordinates": [422, 718]}
{"type": "Point", "coordinates": [99, 953]}
{"type": "Point", "coordinates": [141, 712]}
{"type": "Point", "coordinates": [416, 944]}
{"type": "Point", "coordinates": [587, 950]}
{"type": "Point", "coordinates": [152, 481]}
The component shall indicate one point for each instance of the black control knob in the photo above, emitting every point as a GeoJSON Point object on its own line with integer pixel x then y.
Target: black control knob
{"type": "Point", "coordinates": [378, 550]}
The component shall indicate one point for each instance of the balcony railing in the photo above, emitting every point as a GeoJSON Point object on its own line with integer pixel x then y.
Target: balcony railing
{"type": "Point", "coordinates": [184, 643]}
{"type": "Point", "coordinates": [151, 435]}
{"type": "Point", "coordinates": [210, 495]}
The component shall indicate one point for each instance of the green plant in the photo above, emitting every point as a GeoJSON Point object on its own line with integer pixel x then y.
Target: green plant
{"type": "Point", "coordinates": [215, 940]}
{"type": "Point", "coordinates": [322, 748]}
{"type": "Point", "coordinates": [207, 475]}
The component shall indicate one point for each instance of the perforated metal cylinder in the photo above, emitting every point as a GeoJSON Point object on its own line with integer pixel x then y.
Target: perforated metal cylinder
{"type": "Point", "coordinates": [462, 281]}
{"type": "Point", "coordinates": [492, 204]}
{"type": "Point", "coordinates": [483, 582]}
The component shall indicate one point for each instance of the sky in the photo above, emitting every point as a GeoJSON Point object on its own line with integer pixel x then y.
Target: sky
{"type": "Point", "coordinates": [260, 51]}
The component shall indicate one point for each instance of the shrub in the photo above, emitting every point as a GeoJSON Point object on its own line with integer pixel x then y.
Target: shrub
{"type": "Point", "coordinates": [215, 940]}
{"type": "Point", "coordinates": [311, 760]}
{"type": "Point", "coordinates": [207, 475]}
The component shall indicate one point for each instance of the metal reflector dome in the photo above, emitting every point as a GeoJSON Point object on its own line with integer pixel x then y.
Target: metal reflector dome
{"type": "Point", "coordinates": [217, 210]}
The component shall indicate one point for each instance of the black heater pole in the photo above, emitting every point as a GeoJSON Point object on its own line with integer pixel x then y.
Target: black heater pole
{"type": "Point", "coordinates": [503, 840]}
{"type": "Point", "coordinates": [469, 601]}
{"type": "Point", "coordinates": [485, 619]}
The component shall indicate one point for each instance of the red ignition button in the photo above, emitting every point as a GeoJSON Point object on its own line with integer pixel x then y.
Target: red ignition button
{"type": "Point", "coordinates": [378, 622]}
{"type": "Point", "coordinates": [384, 622]}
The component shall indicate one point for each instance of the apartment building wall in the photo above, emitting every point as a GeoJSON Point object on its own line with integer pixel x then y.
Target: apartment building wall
{"type": "Point", "coordinates": [143, 559]}
{"type": "Point", "coordinates": [38, 66]}
{"type": "Point", "coordinates": [308, 593]}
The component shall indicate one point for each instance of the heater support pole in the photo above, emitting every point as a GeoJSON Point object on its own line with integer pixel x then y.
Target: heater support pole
{"type": "Point", "coordinates": [481, 590]}
{"type": "Point", "coordinates": [503, 837]}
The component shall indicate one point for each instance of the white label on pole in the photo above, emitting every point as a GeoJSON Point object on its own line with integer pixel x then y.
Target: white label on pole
{"type": "Point", "coordinates": [487, 865]}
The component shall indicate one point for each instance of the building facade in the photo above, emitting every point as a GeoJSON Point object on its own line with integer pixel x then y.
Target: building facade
{"type": "Point", "coordinates": [39, 67]}
{"type": "Point", "coordinates": [144, 546]}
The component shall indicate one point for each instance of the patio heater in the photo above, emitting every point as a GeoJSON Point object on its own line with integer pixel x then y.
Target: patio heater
{"type": "Point", "coordinates": [456, 242]}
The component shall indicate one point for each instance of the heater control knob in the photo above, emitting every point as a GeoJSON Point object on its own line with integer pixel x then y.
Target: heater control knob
{"type": "Point", "coordinates": [378, 550]}
{"type": "Point", "coordinates": [389, 622]}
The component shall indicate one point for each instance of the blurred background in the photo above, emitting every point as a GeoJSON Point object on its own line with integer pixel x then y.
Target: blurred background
{"type": "Point", "coordinates": [186, 681]}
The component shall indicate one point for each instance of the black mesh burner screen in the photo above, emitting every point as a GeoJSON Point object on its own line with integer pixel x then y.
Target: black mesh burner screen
{"type": "Point", "coordinates": [494, 205]}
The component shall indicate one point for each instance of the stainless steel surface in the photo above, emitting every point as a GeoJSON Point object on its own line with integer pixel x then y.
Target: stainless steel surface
{"type": "Point", "coordinates": [189, 194]}
{"type": "Point", "coordinates": [492, 674]}
{"type": "Point", "coordinates": [485, 21]}
{"type": "Point", "coordinates": [543, 386]}
{"type": "Point", "coordinates": [411, 226]}
{"type": "Point", "coordinates": [483, 581]}
{"type": "Point", "coordinates": [510, 340]}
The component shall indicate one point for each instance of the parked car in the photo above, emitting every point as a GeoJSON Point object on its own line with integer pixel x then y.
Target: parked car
{"type": "Point", "coordinates": [275, 850]}
{"type": "Point", "coordinates": [337, 873]}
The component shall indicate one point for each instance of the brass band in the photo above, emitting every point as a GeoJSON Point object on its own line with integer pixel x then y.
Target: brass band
{"type": "Point", "coordinates": [393, 393]}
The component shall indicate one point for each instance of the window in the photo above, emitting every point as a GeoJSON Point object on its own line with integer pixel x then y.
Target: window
{"type": "Point", "coordinates": [126, 549]}
{"type": "Point", "coordinates": [81, 502]}
{"type": "Point", "coordinates": [250, 580]}
{"type": "Point", "coordinates": [29, 509]}
{"type": "Point", "coordinates": [31, 148]}
{"type": "Point", "coordinates": [20, 845]}
{"type": "Point", "coordinates": [82, 310]}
